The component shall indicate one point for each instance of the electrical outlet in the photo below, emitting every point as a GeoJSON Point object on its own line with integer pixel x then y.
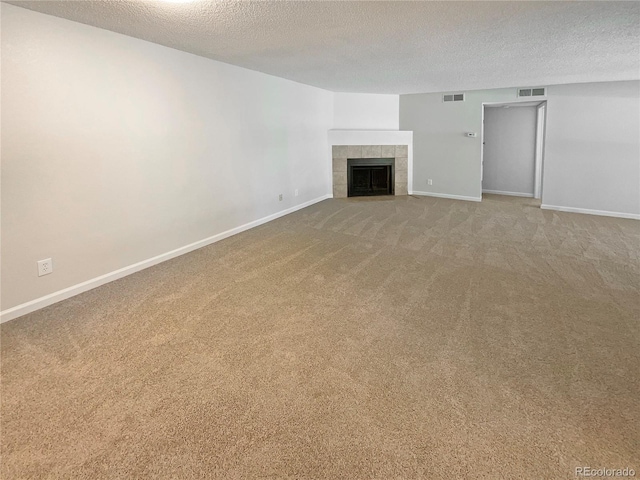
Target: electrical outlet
{"type": "Point", "coordinates": [296, 193]}
{"type": "Point", "coordinates": [429, 182]}
{"type": "Point", "coordinates": [45, 267]}
{"type": "Point", "coordinates": [280, 197]}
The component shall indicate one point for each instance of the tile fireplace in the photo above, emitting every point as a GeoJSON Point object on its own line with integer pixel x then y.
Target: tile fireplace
{"type": "Point", "coordinates": [364, 170]}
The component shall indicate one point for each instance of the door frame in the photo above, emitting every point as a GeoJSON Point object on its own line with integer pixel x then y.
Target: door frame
{"type": "Point", "coordinates": [541, 123]}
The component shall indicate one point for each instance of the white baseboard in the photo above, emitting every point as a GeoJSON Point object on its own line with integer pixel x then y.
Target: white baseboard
{"type": "Point", "coordinates": [446, 195]}
{"type": "Point", "coordinates": [588, 211]}
{"type": "Point", "coordinates": [511, 194]}
{"type": "Point", "coordinates": [38, 303]}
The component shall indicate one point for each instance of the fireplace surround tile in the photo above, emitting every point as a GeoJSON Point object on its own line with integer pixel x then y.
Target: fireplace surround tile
{"type": "Point", "coordinates": [371, 151]}
{"type": "Point", "coordinates": [402, 164]}
{"type": "Point", "coordinates": [387, 151]}
{"type": "Point", "coordinates": [402, 150]}
{"type": "Point", "coordinates": [401, 176]}
{"type": "Point", "coordinates": [340, 154]}
{"type": "Point", "coordinates": [354, 151]}
{"type": "Point", "coordinates": [340, 151]}
{"type": "Point", "coordinates": [340, 191]}
{"type": "Point", "coordinates": [340, 178]}
{"type": "Point", "coordinates": [339, 164]}
{"type": "Point", "coordinates": [401, 188]}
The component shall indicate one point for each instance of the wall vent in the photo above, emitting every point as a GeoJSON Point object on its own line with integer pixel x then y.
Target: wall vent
{"type": "Point", "coordinates": [532, 92]}
{"type": "Point", "coordinates": [454, 97]}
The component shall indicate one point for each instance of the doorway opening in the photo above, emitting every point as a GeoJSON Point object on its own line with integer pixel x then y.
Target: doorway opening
{"type": "Point", "coordinates": [513, 137]}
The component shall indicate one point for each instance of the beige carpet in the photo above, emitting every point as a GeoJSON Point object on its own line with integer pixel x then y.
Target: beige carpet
{"type": "Point", "coordinates": [366, 338]}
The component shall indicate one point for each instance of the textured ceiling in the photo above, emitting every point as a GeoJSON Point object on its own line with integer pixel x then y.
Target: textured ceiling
{"type": "Point", "coordinates": [388, 47]}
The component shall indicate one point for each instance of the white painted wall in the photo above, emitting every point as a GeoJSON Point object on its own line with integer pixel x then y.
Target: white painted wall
{"type": "Point", "coordinates": [509, 150]}
{"type": "Point", "coordinates": [441, 151]}
{"type": "Point", "coordinates": [115, 150]}
{"type": "Point", "coordinates": [592, 153]}
{"type": "Point", "coordinates": [365, 111]}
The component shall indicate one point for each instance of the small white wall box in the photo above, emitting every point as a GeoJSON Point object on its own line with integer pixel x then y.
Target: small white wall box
{"type": "Point", "coordinates": [471, 134]}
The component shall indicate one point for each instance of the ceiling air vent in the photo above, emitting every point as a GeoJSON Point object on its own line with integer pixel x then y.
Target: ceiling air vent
{"type": "Point", "coordinates": [454, 97]}
{"type": "Point", "coordinates": [532, 92]}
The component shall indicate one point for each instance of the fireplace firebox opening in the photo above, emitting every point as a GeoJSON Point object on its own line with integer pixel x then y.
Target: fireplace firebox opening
{"type": "Point", "coordinates": [370, 176]}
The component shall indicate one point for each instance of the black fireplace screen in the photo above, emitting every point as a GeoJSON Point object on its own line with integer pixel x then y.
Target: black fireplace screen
{"type": "Point", "coordinates": [370, 176]}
